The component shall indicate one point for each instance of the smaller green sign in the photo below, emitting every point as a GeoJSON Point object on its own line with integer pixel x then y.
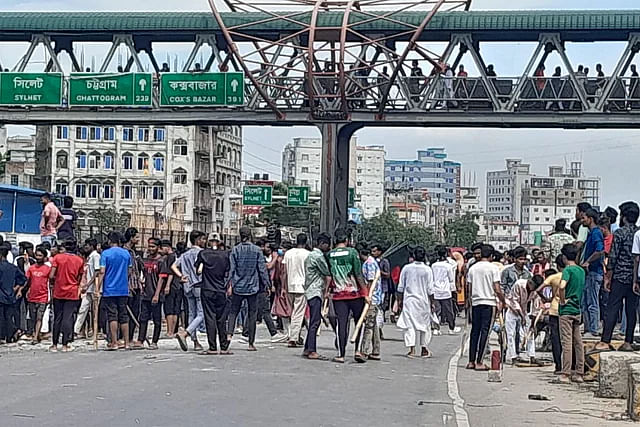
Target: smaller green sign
{"type": "Point", "coordinates": [31, 89]}
{"type": "Point", "coordinates": [120, 89]}
{"type": "Point", "coordinates": [257, 195]}
{"type": "Point", "coordinates": [201, 89]}
{"type": "Point", "coordinates": [352, 197]}
{"type": "Point", "coordinates": [234, 88]}
{"type": "Point", "coordinates": [298, 196]}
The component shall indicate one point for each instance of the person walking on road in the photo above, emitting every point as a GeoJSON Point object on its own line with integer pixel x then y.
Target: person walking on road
{"type": "Point", "coordinates": [293, 262]}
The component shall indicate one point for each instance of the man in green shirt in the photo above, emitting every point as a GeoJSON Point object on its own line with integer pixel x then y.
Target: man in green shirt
{"type": "Point", "coordinates": [571, 288]}
{"type": "Point", "coordinates": [317, 279]}
{"type": "Point", "coordinates": [348, 291]}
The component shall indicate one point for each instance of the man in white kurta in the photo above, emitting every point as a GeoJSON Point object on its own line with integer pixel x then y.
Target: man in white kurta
{"type": "Point", "coordinates": [416, 285]}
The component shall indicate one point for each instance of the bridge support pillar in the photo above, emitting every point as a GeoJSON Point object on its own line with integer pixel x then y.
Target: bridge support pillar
{"type": "Point", "coordinates": [334, 197]}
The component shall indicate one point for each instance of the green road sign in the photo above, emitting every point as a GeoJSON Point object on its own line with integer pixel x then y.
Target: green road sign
{"type": "Point", "coordinates": [119, 89]}
{"type": "Point", "coordinates": [352, 197]}
{"type": "Point", "coordinates": [257, 195]}
{"type": "Point", "coordinates": [298, 196]}
{"type": "Point", "coordinates": [31, 89]}
{"type": "Point", "coordinates": [234, 87]}
{"type": "Point", "coordinates": [201, 89]}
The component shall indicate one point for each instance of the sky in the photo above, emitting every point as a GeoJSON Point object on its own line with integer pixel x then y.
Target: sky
{"type": "Point", "coordinates": [611, 154]}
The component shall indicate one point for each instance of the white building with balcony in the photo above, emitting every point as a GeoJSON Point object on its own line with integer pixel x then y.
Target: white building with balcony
{"type": "Point", "coordinates": [172, 172]}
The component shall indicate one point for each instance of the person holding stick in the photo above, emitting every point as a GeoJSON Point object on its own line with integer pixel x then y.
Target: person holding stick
{"type": "Point", "coordinates": [415, 290]}
{"type": "Point", "coordinates": [371, 272]}
{"type": "Point", "coordinates": [348, 290]}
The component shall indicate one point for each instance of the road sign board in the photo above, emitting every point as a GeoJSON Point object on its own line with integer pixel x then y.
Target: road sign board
{"type": "Point", "coordinates": [298, 196]}
{"type": "Point", "coordinates": [352, 197]}
{"type": "Point", "coordinates": [201, 89]}
{"type": "Point", "coordinates": [257, 195]}
{"type": "Point", "coordinates": [31, 89]}
{"type": "Point", "coordinates": [119, 89]}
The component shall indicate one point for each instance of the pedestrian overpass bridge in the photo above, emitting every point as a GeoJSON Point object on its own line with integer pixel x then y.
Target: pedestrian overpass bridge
{"type": "Point", "coordinates": [339, 65]}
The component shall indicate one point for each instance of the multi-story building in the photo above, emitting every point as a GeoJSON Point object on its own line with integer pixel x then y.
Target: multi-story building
{"type": "Point", "coordinates": [504, 190]}
{"type": "Point", "coordinates": [469, 200]}
{"type": "Point", "coordinates": [20, 162]}
{"type": "Point", "coordinates": [431, 172]}
{"type": "Point", "coordinates": [174, 172]}
{"type": "Point", "coordinates": [301, 165]}
{"type": "Point", "coordinates": [502, 235]}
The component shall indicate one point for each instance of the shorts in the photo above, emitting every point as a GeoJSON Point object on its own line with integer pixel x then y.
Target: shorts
{"type": "Point", "coordinates": [116, 309]}
{"type": "Point", "coordinates": [173, 302]}
{"type": "Point", "coordinates": [36, 311]}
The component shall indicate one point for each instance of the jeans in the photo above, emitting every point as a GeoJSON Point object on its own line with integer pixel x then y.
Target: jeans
{"type": "Point", "coordinates": [264, 313]}
{"type": "Point", "coordinates": [134, 302]}
{"type": "Point", "coordinates": [315, 317]}
{"type": "Point", "coordinates": [214, 305]}
{"type": "Point", "coordinates": [148, 312]}
{"type": "Point", "coordinates": [556, 345]}
{"type": "Point", "coordinates": [63, 312]}
{"type": "Point", "coordinates": [590, 302]}
{"type": "Point", "coordinates": [252, 304]}
{"type": "Point", "coordinates": [7, 325]}
{"type": "Point", "coordinates": [196, 315]}
{"type": "Point", "coordinates": [571, 340]}
{"type": "Point", "coordinates": [343, 308]}
{"type": "Point", "coordinates": [481, 317]}
{"type": "Point", "coordinates": [620, 292]}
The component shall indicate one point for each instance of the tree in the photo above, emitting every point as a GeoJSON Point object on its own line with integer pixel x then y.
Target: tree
{"type": "Point", "coordinates": [462, 232]}
{"type": "Point", "coordinates": [108, 219]}
{"type": "Point", "coordinates": [387, 229]}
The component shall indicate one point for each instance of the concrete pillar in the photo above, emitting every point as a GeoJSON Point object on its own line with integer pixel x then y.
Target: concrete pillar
{"type": "Point", "coordinates": [334, 195]}
{"type": "Point", "coordinates": [633, 399]}
{"type": "Point", "coordinates": [614, 372]}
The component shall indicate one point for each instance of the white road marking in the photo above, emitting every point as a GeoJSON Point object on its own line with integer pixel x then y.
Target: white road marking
{"type": "Point", "coordinates": [462, 418]}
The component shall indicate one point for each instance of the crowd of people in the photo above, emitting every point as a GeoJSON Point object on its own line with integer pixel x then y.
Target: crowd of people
{"type": "Point", "coordinates": [582, 282]}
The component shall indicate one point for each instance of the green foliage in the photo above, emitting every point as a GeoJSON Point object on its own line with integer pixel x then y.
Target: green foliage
{"type": "Point", "coordinates": [461, 232]}
{"type": "Point", "coordinates": [110, 219]}
{"type": "Point", "coordinates": [388, 230]}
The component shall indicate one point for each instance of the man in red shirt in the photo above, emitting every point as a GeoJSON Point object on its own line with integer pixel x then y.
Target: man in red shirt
{"type": "Point", "coordinates": [67, 269]}
{"type": "Point", "coordinates": [38, 296]}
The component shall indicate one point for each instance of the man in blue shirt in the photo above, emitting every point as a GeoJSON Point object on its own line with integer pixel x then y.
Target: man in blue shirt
{"type": "Point", "coordinates": [12, 281]}
{"type": "Point", "coordinates": [593, 263]}
{"type": "Point", "coordinates": [113, 282]}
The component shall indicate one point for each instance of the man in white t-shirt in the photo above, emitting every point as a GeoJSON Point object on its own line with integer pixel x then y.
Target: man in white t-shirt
{"type": "Point", "coordinates": [293, 262]}
{"type": "Point", "coordinates": [484, 283]}
{"type": "Point", "coordinates": [444, 282]}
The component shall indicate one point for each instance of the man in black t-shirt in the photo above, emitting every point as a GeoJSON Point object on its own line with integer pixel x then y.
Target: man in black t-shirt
{"type": "Point", "coordinates": [152, 297]}
{"type": "Point", "coordinates": [172, 288]}
{"type": "Point", "coordinates": [214, 266]}
{"type": "Point", "coordinates": [67, 229]}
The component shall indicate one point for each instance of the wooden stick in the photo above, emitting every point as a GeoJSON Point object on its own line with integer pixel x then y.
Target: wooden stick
{"type": "Point", "coordinates": [365, 310]}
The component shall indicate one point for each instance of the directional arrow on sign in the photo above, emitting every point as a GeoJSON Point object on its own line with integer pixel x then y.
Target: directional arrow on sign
{"type": "Point", "coordinates": [234, 85]}
{"type": "Point", "coordinates": [143, 84]}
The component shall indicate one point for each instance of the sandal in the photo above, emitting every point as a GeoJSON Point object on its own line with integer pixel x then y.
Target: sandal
{"type": "Point", "coordinates": [375, 357]}
{"type": "Point", "coordinates": [111, 347]}
{"type": "Point", "coordinates": [182, 341]}
{"type": "Point", "coordinates": [318, 357]}
{"type": "Point", "coordinates": [209, 353]}
{"type": "Point", "coordinates": [481, 368]}
{"type": "Point", "coordinates": [359, 358]}
{"type": "Point", "coordinates": [338, 359]}
{"type": "Point", "coordinates": [470, 365]}
{"type": "Point", "coordinates": [137, 346]}
{"type": "Point", "coordinates": [226, 352]}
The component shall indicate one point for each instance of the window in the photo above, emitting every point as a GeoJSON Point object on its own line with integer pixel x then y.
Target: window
{"type": "Point", "coordinates": [305, 157]}
{"type": "Point", "coordinates": [61, 187]}
{"type": "Point", "coordinates": [158, 135]}
{"type": "Point", "coordinates": [108, 191]}
{"type": "Point", "coordinates": [81, 132]}
{"type": "Point", "coordinates": [94, 160]}
{"type": "Point", "coordinates": [127, 161]}
{"type": "Point", "coordinates": [95, 133]}
{"type": "Point", "coordinates": [94, 190]}
{"type": "Point", "coordinates": [62, 161]}
{"type": "Point", "coordinates": [14, 179]}
{"type": "Point", "coordinates": [81, 160]}
{"type": "Point", "coordinates": [81, 190]}
{"type": "Point", "coordinates": [125, 190]}
{"type": "Point", "coordinates": [158, 191]}
{"type": "Point", "coordinates": [62, 132]}
{"type": "Point", "coordinates": [108, 160]}
{"type": "Point", "coordinates": [158, 162]}
{"type": "Point", "coordinates": [143, 190]}
{"type": "Point", "coordinates": [143, 162]}
{"type": "Point", "coordinates": [179, 147]}
{"type": "Point", "coordinates": [179, 176]}
{"type": "Point", "coordinates": [304, 182]}
{"type": "Point", "coordinates": [305, 170]}
{"type": "Point", "coordinates": [127, 134]}
{"type": "Point", "coordinates": [359, 184]}
{"type": "Point", "coordinates": [109, 134]}
{"type": "Point", "coordinates": [143, 134]}
{"type": "Point", "coordinates": [359, 171]}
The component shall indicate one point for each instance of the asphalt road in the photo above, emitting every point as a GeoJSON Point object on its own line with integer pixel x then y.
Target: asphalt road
{"type": "Point", "coordinates": [273, 387]}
